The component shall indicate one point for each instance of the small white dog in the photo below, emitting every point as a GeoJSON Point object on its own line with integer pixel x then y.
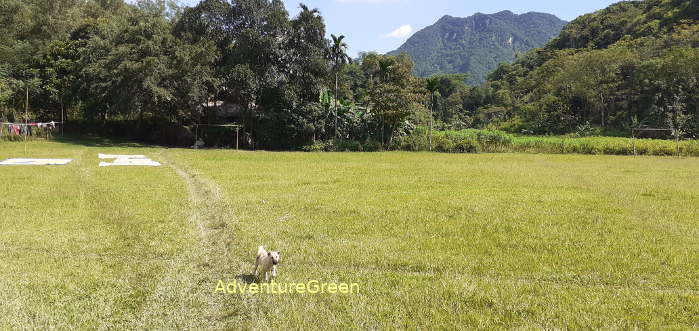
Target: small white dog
{"type": "Point", "coordinates": [268, 261]}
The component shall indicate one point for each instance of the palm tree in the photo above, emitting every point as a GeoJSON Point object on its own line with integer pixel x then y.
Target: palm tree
{"type": "Point", "coordinates": [432, 86]}
{"type": "Point", "coordinates": [338, 54]}
{"type": "Point", "coordinates": [306, 10]}
{"type": "Point", "coordinates": [385, 67]}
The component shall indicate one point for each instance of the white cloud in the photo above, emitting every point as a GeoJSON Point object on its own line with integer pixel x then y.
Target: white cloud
{"type": "Point", "coordinates": [402, 32]}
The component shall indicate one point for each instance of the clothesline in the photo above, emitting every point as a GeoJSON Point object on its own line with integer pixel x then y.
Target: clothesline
{"type": "Point", "coordinates": [26, 128]}
{"type": "Point", "coordinates": [30, 123]}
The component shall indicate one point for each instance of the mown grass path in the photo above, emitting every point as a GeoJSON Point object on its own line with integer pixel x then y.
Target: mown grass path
{"type": "Point", "coordinates": [184, 298]}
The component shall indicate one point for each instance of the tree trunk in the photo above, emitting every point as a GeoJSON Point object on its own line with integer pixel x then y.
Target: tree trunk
{"type": "Point", "coordinates": [390, 137]}
{"type": "Point", "coordinates": [336, 74]}
{"type": "Point", "coordinates": [62, 117]}
{"type": "Point", "coordinates": [383, 130]}
{"type": "Point", "coordinates": [602, 109]}
{"type": "Point", "coordinates": [602, 116]}
{"type": "Point", "coordinates": [140, 118]}
{"type": "Point", "coordinates": [431, 117]}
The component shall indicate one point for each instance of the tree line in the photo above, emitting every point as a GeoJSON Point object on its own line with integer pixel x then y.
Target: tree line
{"type": "Point", "coordinates": [153, 63]}
{"type": "Point", "coordinates": [149, 62]}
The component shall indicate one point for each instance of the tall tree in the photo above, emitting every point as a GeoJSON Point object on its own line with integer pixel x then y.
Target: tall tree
{"type": "Point", "coordinates": [338, 54]}
{"type": "Point", "coordinates": [394, 93]}
{"type": "Point", "coordinates": [433, 85]}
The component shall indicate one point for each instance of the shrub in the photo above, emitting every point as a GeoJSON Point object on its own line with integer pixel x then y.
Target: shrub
{"type": "Point", "coordinates": [348, 146]}
{"type": "Point", "coordinates": [587, 130]}
{"type": "Point", "coordinates": [443, 144]}
{"type": "Point", "coordinates": [475, 141]}
{"type": "Point", "coordinates": [372, 146]}
{"type": "Point", "coordinates": [344, 146]}
{"type": "Point", "coordinates": [320, 146]}
{"type": "Point", "coordinates": [466, 146]}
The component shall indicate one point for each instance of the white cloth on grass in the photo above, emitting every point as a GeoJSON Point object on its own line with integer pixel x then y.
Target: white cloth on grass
{"type": "Point", "coordinates": [131, 162]}
{"type": "Point", "coordinates": [127, 160]}
{"type": "Point", "coordinates": [36, 162]}
{"type": "Point", "coordinates": [110, 156]}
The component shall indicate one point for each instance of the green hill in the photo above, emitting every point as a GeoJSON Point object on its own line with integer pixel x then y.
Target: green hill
{"type": "Point", "coordinates": [477, 44]}
{"type": "Point", "coordinates": [634, 63]}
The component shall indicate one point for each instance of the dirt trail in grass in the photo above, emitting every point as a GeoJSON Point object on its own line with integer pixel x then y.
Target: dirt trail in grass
{"type": "Point", "coordinates": [185, 298]}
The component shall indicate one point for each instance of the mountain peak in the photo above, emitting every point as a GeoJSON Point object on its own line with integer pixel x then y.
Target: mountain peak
{"type": "Point", "coordinates": [504, 13]}
{"type": "Point", "coordinates": [446, 19]}
{"type": "Point", "coordinates": [475, 45]}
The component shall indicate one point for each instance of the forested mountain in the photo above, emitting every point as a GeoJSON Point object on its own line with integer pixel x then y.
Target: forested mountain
{"type": "Point", "coordinates": [633, 64]}
{"type": "Point", "coordinates": [475, 45]}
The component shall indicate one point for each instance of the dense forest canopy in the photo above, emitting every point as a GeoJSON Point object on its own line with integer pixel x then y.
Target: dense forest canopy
{"type": "Point", "coordinates": [154, 65]}
{"type": "Point", "coordinates": [154, 62]}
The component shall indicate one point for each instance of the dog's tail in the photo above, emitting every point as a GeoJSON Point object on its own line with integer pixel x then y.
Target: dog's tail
{"type": "Point", "coordinates": [260, 250]}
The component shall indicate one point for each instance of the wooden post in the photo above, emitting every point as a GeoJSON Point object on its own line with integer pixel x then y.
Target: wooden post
{"type": "Point", "coordinates": [26, 120]}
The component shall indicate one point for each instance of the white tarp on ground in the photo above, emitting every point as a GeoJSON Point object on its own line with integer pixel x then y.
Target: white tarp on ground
{"type": "Point", "coordinates": [110, 156]}
{"type": "Point", "coordinates": [127, 160]}
{"type": "Point", "coordinates": [36, 162]}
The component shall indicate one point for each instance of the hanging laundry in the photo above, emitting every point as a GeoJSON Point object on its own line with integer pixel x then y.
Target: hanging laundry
{"type": "Point", "coordinates": [26, 128]}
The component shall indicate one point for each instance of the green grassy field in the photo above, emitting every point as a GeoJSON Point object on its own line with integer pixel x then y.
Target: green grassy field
{"type": "Point", "coordinates": [433, 240]}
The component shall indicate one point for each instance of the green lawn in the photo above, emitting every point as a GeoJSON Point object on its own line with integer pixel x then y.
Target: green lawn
{"type": "Point", "coordinates": [433, 240]}
{"type": "Point", "coordinates": [82, 246]}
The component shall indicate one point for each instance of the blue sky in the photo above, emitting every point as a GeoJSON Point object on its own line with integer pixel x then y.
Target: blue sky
{"type": "Point", "coordinates": [383, 25]}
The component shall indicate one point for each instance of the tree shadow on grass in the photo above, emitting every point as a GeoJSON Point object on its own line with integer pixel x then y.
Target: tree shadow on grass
{"type": "Point", "coordinates": [96, 141]}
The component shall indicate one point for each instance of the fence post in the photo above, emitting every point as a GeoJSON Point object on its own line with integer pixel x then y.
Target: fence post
{"type": "Point", "coordinates": [633, 141]}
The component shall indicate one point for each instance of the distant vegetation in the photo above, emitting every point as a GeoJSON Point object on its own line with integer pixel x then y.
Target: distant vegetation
{"type": "Point", "coordinates": [493, 141]}
{"type": "Point", "coordinates": [154, 69]}
{"type": "Point", "coordinates": [475, 45]}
